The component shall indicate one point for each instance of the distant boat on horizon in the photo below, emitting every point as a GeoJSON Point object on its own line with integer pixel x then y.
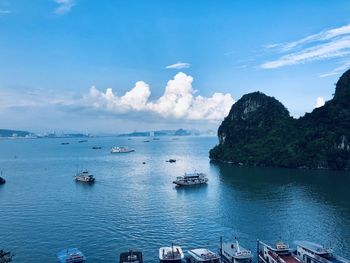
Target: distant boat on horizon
{"type": "Point", "coordinates": [121, 149]}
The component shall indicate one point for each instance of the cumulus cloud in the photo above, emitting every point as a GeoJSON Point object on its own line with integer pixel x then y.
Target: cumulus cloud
{"type": "Point", "coordinates": [178, 65]}
{"type": "Point", "coordinates": [320, 102]}
{"type": "Point", "coordinates": [327, 44]}
{"type": "Point", "coordinates": [64, 6]}
{"type": "Point", "coordinates": [179, 101]}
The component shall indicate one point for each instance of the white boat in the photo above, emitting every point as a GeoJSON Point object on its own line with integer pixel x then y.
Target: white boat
{"type": "Point", "coordinates": [171, 254]}
{"type": "Point", "coordinates": [116, 149]}
{"type": "Point", "coordinates": [202, 255]}
{"type": "Point", "coordinates": [309, 252]}
{"type": "Point", "coordinates": [84, 177]}
{"type": "Point", "coordinates": [233, 252]}
{"type": "Point", "coordinates": [191, 179]}
{"type": "Point", "coordinates": [278, 253]}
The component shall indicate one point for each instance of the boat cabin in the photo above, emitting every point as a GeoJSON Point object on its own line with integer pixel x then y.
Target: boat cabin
{"type": "Point", "coordinates": [309, 252]}
{"type": "Point", "coordinates": [202, 255]}
{"type": "Point", "coordinates": [131, 256]}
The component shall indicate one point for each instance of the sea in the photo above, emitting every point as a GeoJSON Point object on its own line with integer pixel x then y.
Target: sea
{"type": "Point", "coordinates": [134, 205]}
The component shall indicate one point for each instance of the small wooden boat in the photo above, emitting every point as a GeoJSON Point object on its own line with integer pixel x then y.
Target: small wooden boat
{"type": "Point", "coordinates": [131, 256]}
{"type": "Point", "coordinates": [71, 255]}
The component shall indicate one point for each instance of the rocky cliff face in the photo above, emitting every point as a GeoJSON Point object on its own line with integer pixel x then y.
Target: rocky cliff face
{"type": "Point", "coordinates": [259, 131]}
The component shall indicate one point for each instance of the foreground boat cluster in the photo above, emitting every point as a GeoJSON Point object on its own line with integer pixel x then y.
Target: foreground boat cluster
{"type": "Point", "coordinates": [231, 252]}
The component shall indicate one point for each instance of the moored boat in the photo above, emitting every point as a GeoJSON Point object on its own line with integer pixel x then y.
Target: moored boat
{"type": "Point", "coordinates": [131, 256]}
{"type": "Point", "coordinates": [233, 252]}
{"type": "Point", "coordinates": [191, 179]}
{"type": "Point", "coordinates": [309, 252]}
{"type": "Point", "coordinates": [71, 255]}
{"type": "Point", "coordinates": [202, 255]}
{"type": "Point", "coordinates": [84, 177]}
{"type": "Point", "coordinates": [116, 149]}
{"type": "Point", "coordinates": [171, 254]}
{"type": "Point", "coordinates": [278, 253]}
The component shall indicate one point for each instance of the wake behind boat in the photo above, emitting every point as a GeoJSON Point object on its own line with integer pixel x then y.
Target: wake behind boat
{"type": "Point", "coordinates": [116, 149]}
{"type": "Point", "coordinates": [171, 254]}
{"type": "Point", "coordinates": [191, 179]}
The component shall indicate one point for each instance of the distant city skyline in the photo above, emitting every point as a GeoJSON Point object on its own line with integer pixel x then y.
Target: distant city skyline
{"type": "Point", "coordinates": [120, 66]}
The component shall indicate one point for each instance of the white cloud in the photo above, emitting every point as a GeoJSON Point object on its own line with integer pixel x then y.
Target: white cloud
{"type": "Point", "coordinates": [178, 65]}
{"type": "Point", "coordinates": [178, 101]}
{"type": "Point", "coordinates": [64, 6]}
{"type": "Point", "coordinates": [5, 12]}
{"type": "Point", "coordinates": [320, 102]}
{"type": "Point", "coordinates": [328, 44]}
{"type": "Point", "coordinates": [337, 70]}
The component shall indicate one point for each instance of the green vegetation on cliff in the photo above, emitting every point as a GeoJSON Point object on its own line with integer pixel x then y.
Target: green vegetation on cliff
{"type": "Point", "coordinates": [259, 131]}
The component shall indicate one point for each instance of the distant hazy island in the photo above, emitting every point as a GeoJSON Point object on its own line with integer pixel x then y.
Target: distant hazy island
{"type": "Point", "coordinates": [179, 132]}
{"type": "Point", "coordinates": [259, 131]}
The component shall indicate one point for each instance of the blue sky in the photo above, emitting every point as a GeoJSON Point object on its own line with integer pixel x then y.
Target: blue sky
{"type": "Point", "coordinates": [212, 52]}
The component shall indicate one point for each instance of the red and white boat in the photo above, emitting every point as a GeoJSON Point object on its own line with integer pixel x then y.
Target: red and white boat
{"type": "Point", "coordinates": [278, 253]}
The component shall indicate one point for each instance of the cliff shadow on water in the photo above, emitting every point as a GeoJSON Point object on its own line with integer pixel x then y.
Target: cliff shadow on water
{"type": "Point", "coordinates": [259, 131]}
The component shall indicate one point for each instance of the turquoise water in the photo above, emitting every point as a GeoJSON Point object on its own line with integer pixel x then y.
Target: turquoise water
{"type": "Point", "coordinates": [135, 206]}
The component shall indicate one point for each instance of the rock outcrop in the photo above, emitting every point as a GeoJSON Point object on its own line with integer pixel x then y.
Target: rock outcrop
{"type": "Point", "coordinates": [259, 131]}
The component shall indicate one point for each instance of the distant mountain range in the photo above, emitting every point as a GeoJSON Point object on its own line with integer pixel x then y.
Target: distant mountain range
{"type": "Point", "coordinates": [179, 132]}
{"type": "Point", "coordinates": [14, 134]}
{"type": "Point", "coordinates": [259, 131]}
{"type": "Point", "coordinates": [7, 133]}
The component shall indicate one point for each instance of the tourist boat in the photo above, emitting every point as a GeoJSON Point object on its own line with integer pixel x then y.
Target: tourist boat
{"type": "Point", "coordinates": [71, 255]}
{"type": "Point", "coordinates": [121, 150]}
{"type": "Point", "coordinates": [278, 253]}
{"type": "Point", "coordinates": [85, 177]}
{"type": "Point", "coordinates": [233, 252]}
{"type": "Point", "coordinates": [309, 252]}
{"type": "Point", "coordinates": [131, 256]}
{"type": "Point", "coordinates": [191, 179]}
{"type": "Point", "coordinates": [171, 254]}
{"type": "Point", "coordinates": [202, 255]}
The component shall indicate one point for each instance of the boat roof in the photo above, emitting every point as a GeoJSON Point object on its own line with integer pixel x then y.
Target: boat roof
{"type": "Point", "coordinates": [236, 252]}
{"type": "Point", "coordinates": [313, 247]}
{"type": "Point", "coordinates": [202, 254]}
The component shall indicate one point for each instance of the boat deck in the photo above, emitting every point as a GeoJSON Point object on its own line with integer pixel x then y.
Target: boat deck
{"type": "Point", "coordinates": [284, 258]}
